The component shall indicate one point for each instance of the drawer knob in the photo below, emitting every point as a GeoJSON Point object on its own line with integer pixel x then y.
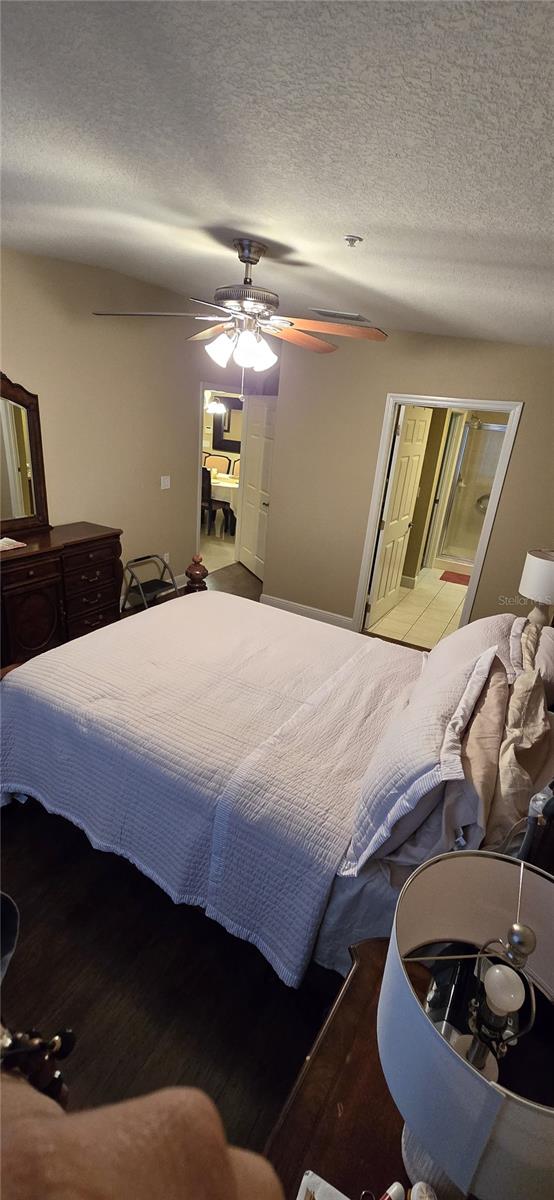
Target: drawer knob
{"type": "Point", "coordinates": [91, 554]}
{"type": "Point", "coordinates": [30, 574]}
{"type": "Point", "coordinates": [90, 579]}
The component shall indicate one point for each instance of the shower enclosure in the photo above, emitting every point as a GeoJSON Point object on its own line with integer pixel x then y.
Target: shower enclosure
{"type": "Point", "coordinates": [469, 464]}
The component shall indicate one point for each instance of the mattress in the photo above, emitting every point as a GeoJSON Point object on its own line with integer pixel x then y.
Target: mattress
{"type": "Point", "coordinates": [216, 743]}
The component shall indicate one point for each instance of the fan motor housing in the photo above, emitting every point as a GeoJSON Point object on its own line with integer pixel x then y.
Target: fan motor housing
{"type": "Point", "coordinates": [245, 298]}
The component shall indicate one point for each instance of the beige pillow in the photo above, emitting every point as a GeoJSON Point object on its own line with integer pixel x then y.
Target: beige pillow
{"type": "Point", "coordinates": [483, 739]}
{"type": "Point", "coordinates": [525, 750]}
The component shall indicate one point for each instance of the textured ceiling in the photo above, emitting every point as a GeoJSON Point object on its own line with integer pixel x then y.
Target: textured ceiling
{"type": "Point", "coordinates": [144, 136]}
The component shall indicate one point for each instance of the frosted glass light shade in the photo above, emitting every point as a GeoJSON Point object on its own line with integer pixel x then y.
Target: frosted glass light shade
{"type": "Point", "coordinates": [220, 349]}
{"type": "Point", "coordinates": [245, 349]}
{"type": "Point", "coordinates": [488, 1141]}
{"type": "Point", "coordinates": [265, 358]}
{"type": "Point", "coordinates": [537, 580]}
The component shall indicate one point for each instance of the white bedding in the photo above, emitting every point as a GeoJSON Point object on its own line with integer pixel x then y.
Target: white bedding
{"type": "Point", "coordinates": [219, 745]}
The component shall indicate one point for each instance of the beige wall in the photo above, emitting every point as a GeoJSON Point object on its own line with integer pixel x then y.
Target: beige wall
{"type": "Point", "coordinates": [330, 414]}
{"type": "Point", "coordinates": [119, 399]}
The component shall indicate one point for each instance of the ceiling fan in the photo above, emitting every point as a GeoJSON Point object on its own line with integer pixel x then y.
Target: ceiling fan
{"type": "Point", "coordinates": [251, 312]}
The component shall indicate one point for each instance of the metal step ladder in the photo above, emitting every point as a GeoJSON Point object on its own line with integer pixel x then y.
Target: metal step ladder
{"type": "Point", "coordinates": [144, 593]}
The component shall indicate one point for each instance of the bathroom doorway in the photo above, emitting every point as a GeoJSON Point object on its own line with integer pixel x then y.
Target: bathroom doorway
{"type": "Point", "coordinates": [442, 464]}
{"type": "Point", "coordinates": [464, 489]}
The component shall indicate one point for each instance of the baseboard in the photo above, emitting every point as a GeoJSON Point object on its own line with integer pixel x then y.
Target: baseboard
{"type": "Point", "coordinates": [409, 581]}
{"type": "Point", "coordinates": [303, 610]}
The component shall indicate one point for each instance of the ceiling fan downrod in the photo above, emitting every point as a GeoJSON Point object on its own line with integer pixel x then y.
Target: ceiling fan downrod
{"type": "Point", "coordinates": [250, 253]}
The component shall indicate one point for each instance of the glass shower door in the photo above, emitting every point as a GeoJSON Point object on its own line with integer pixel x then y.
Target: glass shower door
{"type": "Point", "coordinates": [471, 486]}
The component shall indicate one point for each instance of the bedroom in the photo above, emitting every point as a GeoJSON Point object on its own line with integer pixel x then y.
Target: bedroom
{"type": "Point", "coordinates": [109, 213]}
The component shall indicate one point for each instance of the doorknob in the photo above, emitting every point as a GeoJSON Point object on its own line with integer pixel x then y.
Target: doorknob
{"type": "Point", "coordinates": [265, 503]}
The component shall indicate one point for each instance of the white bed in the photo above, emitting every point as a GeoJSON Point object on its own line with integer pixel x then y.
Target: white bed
{"type": "Point", "coordinates": [219, 745]}
{"type": "Point", "coordinates": [281, 772]}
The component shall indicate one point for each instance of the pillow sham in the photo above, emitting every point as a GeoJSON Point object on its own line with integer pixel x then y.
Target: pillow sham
{"type": "Point", "coordinates": [527, 750]}
{"type": "Point", "coordinates": [544, 658]}
{"type": "Point", "coordinates": [458, 818]}
{"type": "Point", "coordinates": [503, 631]}
{"type": "Point", "coordinates": [421, 749]}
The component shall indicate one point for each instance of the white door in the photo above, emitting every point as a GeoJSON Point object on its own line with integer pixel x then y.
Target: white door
{"type": "Point", "coordinates": [257, 439]}
{"type": "Point", "coordinates": [398, 509]}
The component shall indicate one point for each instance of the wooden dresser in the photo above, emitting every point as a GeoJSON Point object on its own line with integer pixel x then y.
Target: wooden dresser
{"type": "Point", "coordinates": [63, 583]}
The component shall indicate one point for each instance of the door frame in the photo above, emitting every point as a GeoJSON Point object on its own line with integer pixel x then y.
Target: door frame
{"type": "Point", "coordinates": [394, 401]}
{"type": "Point", "coordinates": [214, 387]}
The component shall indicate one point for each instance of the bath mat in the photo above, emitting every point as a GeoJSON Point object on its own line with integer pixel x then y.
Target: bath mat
{"type": "Point", "coordinates": [454, 577]}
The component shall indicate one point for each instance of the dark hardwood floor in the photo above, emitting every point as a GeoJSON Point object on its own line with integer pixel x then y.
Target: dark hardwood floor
{"type": "Point", "coordinates": [156, 993]}
{"type": "Point", "coordinates": [236, 579]}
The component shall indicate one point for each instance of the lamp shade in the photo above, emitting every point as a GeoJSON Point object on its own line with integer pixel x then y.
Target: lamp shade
{"type": "Point", "coordinates": [537, 580]}
{"type": "Point", "coordinates": [488, 1141]}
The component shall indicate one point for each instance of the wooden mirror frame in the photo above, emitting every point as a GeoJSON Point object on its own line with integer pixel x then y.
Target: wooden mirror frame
{"type": "Point", "coordinates": [38, 522]}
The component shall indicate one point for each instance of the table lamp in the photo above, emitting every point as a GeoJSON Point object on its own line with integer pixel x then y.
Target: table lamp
{"type": "Point", "coordinates": [537, 583]}
{"type": "Point", "coordinates": [488, 922]}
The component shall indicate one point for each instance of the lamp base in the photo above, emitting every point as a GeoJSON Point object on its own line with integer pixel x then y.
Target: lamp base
{"type": "Point", "coordinates": [540, 615]}
{"type": "Point", "coordinates": [420, 1165]}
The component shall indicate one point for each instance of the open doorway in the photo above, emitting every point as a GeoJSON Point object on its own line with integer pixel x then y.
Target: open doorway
{"type": "Point", "coordinates": [235, 482]}
{"type": "Point", "coordinates": [222, 418]}
{"type": "Point", "coordinates": [442, 464]}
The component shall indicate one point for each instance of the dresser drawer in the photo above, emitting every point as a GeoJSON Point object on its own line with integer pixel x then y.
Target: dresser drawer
{"type": "Point", "coordinates": [102, 552]}
{"type": "Point", "coordinates": [89, 577]}
{"type": "Point", "coordinates": [96, 597]}
{"type": "Point", "coordinates": [32, 571]}
{"type": "Point", "coordinates": [77, 626]}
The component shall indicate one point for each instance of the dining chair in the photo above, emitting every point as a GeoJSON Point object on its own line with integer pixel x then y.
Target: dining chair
{"type": "Point", "coordinates": [210, 504]}
{"type": "Point", "coordinates": [219, 461]}
{"type": "Point", "coordinates": [236, 468]}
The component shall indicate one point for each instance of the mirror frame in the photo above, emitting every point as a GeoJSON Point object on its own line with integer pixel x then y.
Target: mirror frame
{"type": "Point", "coordinates": [38, 522]}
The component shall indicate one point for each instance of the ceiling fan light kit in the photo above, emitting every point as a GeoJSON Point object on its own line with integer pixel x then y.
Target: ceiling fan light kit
{"type": "Point", "coordinates": [221, 349]}
{"type": "Point", "coordinates": [248, 312]}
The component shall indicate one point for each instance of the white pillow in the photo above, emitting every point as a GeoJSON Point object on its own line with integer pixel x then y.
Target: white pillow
{"type": "Point", "coordinates": [503, 631]}
{"type": "Point", "coordinates": [420, 749]}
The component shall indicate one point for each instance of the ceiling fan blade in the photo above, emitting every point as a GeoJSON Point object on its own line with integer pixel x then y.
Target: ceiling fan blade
{"type": "Point", "coordinates": [208, 304]}
{"type": "Point", "coordinates": [207, 333]}
{"type": "Point", "coordinates": [339, 330]}
{"type": "Point", "coordinates": [299, 339]}
{"type": "Point", "coordinates": [105, 313]}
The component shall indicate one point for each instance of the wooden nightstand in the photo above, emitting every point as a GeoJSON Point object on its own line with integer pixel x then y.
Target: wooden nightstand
{"type": "Point", "coordinates": [340, 1120]}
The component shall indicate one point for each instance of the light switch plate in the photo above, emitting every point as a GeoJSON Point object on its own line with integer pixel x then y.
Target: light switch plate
{"type": "Point", "coordinates": [165, 482]}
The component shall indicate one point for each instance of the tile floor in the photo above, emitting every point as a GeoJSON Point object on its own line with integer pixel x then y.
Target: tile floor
{"type": "Point", "coordinates": [217, 548]}
{"type": "Point", "coordinates": [424, 614]}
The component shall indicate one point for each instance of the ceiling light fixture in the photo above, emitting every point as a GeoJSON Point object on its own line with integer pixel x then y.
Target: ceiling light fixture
{"type": "Point", "coordinates": [248, 347]}
{"type": "Point", "coordinates": [221, 349]}
{"type": "Point", "coordinates": [244, 353]}
{"type": "Point", "coordinates": [265, 358]}
{"type": "Point", "coordinates": [352, 239]}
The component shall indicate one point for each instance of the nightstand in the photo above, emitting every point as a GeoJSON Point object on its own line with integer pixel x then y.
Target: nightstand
{"type": "Point", "coordinates": [340, 1120]}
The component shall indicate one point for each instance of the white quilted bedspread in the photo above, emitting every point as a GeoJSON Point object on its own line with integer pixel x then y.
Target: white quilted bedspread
{"type": "Point", "coordinates": [217, 744]}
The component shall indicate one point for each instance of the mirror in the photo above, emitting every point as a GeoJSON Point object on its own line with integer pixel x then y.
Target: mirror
{"type": "Point", "coordinates": [227, 427]}
{"type": "Point", "coordinates": [22, 485]}
{"type": "Point", "coordinates": [16, 469]}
